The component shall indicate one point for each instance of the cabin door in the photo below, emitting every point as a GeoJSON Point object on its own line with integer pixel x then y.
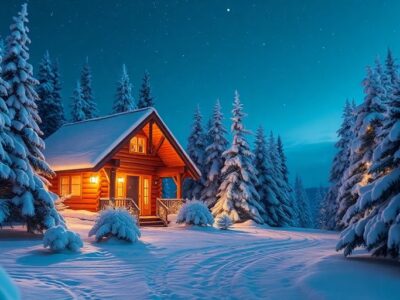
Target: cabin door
{"type": "Point", "coordinates": [132, 188]}
{"type": "Point", "coordinates": [145, 199]}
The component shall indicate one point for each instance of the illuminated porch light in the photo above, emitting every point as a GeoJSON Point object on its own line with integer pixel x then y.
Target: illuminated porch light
{"type": "Point", "coordinates": [94, 179]}
{"type": "Point", "coordinates": [121, 179]}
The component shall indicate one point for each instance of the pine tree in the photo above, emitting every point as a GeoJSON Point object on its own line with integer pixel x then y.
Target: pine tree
{"type": "Point", "coordinates": [196, 151]}
{"type": "Point", "coordinates": [58, 110]}
{"type": "Point", "coordinates": [124, 100]}
{"type": "Point", "coordinates": [303, 203]}
{"type": "Point", "coordinates": [286, 214]}
{"type": "Point", "coordinates": [45, 93]}
{"type": "Point", "coordinates": [90, 107]}
{"type": "Point", "coordinates": [366, 128]}
{"type": "Point", "coordinates": [30, 195]}
{"type": "Point", "coordinates": [377, 210]}
{"type": "Point", "coordinates": [266, 187]}
{"type": "Point", "coordinates": [2, 47]}
{"type": "Point", "coordinates": [237, 196]}
{"type": "Point", "coordinates": [145, 97]}
{"type": "Point", "coordinates": [340, 164]}
{"type": "Point", "coordinates": [6, 147]}
{"type": "Point", "coordinates": [214, 161]}
{"type": "Point", "coordinates": [78, 104]}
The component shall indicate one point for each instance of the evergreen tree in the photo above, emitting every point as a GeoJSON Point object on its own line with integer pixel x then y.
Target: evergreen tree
{"type": "Point", "coordinates": [78, 104]}
{"type": "Point", "coordinates": [288, 208]}
{"type": "Point", "coordinates": [6, 148]}
{"type": "Point", "coordinates": [237, 196]}
{"type": "Point", "coordinates": [266, 186]}
{"type": "Point", "coordinates": [32, 200]}
{"type": "Point", "coordinates": [58, 116]}
{"type": "Point", "coordinates": [340, 164]}
{"type": "Point", "coordinates": [377, 210]}
{"type": "Point", "coordinates": [214, 161]}
{"type": "Point", "coordinates": [303, 203]}
{"type": "Point", "coordinates": [90, 107]}
{"type": "Point", "coordinates": [124, 100]}
{"type": "Point", "coordinates": [366, 128]}
{"type": "Point", "coordinates": [2, 47]}
{"type": "Point", "coordinates": [145, 97]}
{"type": "Point", "coordinates": [196, 151]}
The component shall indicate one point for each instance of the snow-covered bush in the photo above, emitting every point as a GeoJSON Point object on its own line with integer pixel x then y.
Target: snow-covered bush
{"type": "Point", "coordinates": [8, 290]}
{"type": "Point", "coordinates": [118, 223]}
{"type": "Point", "coordinates": [58, 238]}
{"type": "Point", "coordinates": [223, 222]}
{"type": "Point", "coordinates": [195, 213]}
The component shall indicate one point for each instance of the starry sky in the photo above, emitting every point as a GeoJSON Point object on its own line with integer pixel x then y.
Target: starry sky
{"type": "Point", "coordinates": [293, 62]}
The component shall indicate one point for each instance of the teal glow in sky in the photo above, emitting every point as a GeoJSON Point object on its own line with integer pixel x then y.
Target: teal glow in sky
{"type": "Point", "coordinates": [293, 62]}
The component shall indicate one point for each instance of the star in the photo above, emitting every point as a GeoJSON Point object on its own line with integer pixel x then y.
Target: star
{"type": "Point", "coordinates": [228, 9]}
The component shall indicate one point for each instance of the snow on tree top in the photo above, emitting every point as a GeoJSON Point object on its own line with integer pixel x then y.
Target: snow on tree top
{"type": "Point", "coordinates": [82, 145]}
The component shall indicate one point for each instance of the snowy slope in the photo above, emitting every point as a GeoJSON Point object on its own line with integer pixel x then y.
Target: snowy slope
{"type": "Point", "coordinates": [179, 262]}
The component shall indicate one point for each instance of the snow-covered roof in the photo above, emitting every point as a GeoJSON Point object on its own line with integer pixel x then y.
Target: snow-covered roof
{"type": "Point", "coordinates": [83, 145]}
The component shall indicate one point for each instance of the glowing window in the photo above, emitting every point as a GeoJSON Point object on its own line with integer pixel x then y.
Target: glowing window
{"type": "Point", "coordinates": [70, 185]}
{"type": "Point", "coordinates": [146, 191]}
{"type": "Point", "coordinates": [137, 145]}
{"type": "Point", "coordinates": [120, 188]}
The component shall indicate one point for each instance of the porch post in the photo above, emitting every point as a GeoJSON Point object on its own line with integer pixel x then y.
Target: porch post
{"type": "Point", "coordinates": [113, 175]}
{"type": "Point", "coordinates": [179, 186]}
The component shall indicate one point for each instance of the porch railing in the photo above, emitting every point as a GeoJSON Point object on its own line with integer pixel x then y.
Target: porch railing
{"type": "Point", "coordinates": [162, 211]}
{"type": "Point", "coordinates": [173, 204]}
{"type": "Point", "coordinates": [126, 203]}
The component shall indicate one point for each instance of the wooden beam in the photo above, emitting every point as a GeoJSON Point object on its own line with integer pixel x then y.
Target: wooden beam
{"type": "Point", "coordinates": [113, 175]}
{"type": "Point", "coordinates": [150, 140]}
{"type": "Point", "coordinates": [179, 186]}
{"type": "Point", "coordinates": [159, 145]}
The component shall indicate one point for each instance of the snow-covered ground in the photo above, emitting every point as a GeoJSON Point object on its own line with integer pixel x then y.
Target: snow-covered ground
{"type": "Point", "coordinates": [179, 262]}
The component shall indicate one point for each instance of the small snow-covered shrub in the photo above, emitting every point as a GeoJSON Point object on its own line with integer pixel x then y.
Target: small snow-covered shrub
{"type": "Point", "coordinates": [8, 289]}
{"type": "Point", "coordinates": [195, 213]}
{"type": "Point", "coordinates": [58, 238]}
{"type": "Point", "coordinates": [118, 223]}
{"type": "Point", "coordinates": [223, 221]}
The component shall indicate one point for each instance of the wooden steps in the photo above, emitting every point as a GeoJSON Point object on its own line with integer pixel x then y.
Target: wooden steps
{"type": "Point", "coordinates": [151, 221]}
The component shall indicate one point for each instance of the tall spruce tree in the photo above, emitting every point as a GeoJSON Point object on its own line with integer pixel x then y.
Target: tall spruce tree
{"type": "Point", "coordinates": [237, 196]}
{"type": "Point", "coordinates": [2, 47]}
{"type": "Point", "coordinates": [33, 202]}
{"type": "Point", "coordinates": [366, 128]}
{"type": "Point", "coordinates": [145, 97]}
{"type": "Point", "coordinates": [266, 186]}
{"type": "Point", "coordinates": [196, 151]}
{"type": "Point", "coordinates": [303, 204]}
{"type": "Point", "coordinates": [214, 160]}
{"type": "Point", "coordinates": [58, 115]}
{"type": "Point", "coordinates": [340, 164]}
{"type": "Point", "coordinates": [124, 100]}
{"type": "Point", "coordinates": [90, 107]}
{"type": "Point", "coordinates": [287, 215]}
{"type": "Point", "coordinates": [78, 104]}
{"type": "Point", "coordinates": [6, 147]}
{"type": "Point", "coordinates": [377, 210]}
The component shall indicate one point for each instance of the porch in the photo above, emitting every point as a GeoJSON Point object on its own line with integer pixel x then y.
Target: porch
{"type": "Point", "coordinates": [164, 207]}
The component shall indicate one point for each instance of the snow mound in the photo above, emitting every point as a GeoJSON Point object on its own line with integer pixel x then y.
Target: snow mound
{"type": "Point", "coordinates": [8, 290]}
{"type": "Point", "coordinates": [195, 213]}
{"type": "Point", "coordinates": [58, 238]}
{"type": "Point", "coordinates": [118, 223]}
{"type": "Point", "coordinates": [223, 222]}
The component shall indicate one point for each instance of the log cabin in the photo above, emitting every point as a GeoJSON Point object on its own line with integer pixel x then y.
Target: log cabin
{"type": "Point", "coordinates": [121, 160]}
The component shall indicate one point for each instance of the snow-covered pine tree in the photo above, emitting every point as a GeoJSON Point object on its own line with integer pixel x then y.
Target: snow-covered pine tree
{"type": "Point", "coordinates": [196, 151]}
{"type": "Point", "coordinates": [286, 214]}
{"type": "Point", "coordinates": [214, 160]}
{"type": "Point", "coordinates": [2, 47]}
{"type": "Point", "coordinates": [31, 197]}
{"type": "Point", "coordinates": [78, 104]}
{"type": "Point", "coordinates": [237, 196]}
{"type": "Point", "coordinates": [340, 164]}
{"type": "Point", "coordinates": [378, 206]}
{"type": "Point", "coordinates": [45, 93]}
{"type": "Point", "coordinates": [266, 186]}
{"type": "Point", "coordinates": [6, 147]}
{"type": "Point", "coordinates": [366, 128]}
{"type": "Point", "coordinates": [90, 107]}
{"type": "Point", "coordinates": [303, 204]}
{"type": "Point", "coordinates": [58, 116]}
{"type": "Point", "coordinates": [145, 97]}
{"type": "Point", "coordinates": [124, 100]}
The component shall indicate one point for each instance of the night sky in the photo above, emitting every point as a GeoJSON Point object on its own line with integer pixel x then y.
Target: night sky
{"type": "Point", "coordinates": [293, 62]}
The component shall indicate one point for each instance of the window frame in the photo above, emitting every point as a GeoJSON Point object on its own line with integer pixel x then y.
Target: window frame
{"type": "Point", "coordinates": [138, 137]}
{"type": "Point", "coordinates": [69, 185]}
